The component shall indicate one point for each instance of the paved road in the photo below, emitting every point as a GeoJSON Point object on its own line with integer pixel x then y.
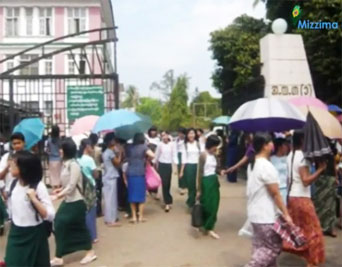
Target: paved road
{"type": "Point", "coordinates": [168, 240]}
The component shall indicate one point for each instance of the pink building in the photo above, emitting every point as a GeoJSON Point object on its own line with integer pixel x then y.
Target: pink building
{"type": "Point", "coordinates": [36, 87]}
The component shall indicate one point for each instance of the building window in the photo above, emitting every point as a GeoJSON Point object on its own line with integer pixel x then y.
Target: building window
{"type": "Point", "coordinates": [32, 69]}
{"type": "Point", "coordinates": [71, 64]}
{"type": "Point", "coordinates": [76, 20]}
{"type": "Point", "coordinates": [30, 105]}
{"type": "Point", "coordinates": [12, 17]}
{"type": "Point", "coordinates": [45, 18]}
{"type": "Point", "coordinates": [29, 20]}
{"type": "Point", "coordinates": [48, 65]}
{"type": "Point", "coordinates": [48, 107]}
{"type": "Point", "coordinates": [9, 63]}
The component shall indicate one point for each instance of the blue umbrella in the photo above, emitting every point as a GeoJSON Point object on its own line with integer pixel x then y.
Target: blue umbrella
{"type": "Point", "coordinates": [334, 108]}
{"type": "Point", "coordinates": [222, 120]}
{"type": "Point", "coordinates": [125, 123]}
{"type": "Point", "coordinates": [32, 129]}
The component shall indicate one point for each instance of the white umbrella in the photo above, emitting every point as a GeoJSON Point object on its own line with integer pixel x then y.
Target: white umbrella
{"type": "Point", "coordinates": [267, 114]}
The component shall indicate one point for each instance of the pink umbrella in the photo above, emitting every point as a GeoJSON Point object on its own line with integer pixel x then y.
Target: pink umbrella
{"type": "Point", "coordinates": [308, 101]}
{"type": "Point", "coordinates": [83, 125]}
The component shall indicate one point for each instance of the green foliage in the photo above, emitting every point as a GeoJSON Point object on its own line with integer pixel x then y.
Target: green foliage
{"type": "Point", "coordinates": [166, 85]}
{"type": "Point", "coordinates": [132, 98]}
{"type": "Point", "coordinates": [205, 108]}
{"type": "Point", "coordinates": [323, 47]}
{"type": "Point", "coordinates": [236, 51]}
{"type": "Point", "coordinates": [152, 108]}
{"type": "Point", "coordinates": [176, 112]}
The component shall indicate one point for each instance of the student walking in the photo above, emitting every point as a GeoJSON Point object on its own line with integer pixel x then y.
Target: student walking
{"type": "Point", "coordinates": [264, 201]}
{"type": "Point", "coordinates": [178, 152]}
{"type": "Point", "coordinates": [89, 170]}
{"type": "Point", "coordinates": [164, 157]}
{"type": "Point", "coordinates": [208, 186]}
{"type": "Point", "coordinates": [55, 162]}
{"type": "Point", "coordinates": [71, 232]}
{"type": "Point", "coordinates": [190, 158]}
{"type": "Point", "coordinates": [29, 206]}
{"type": "Point", "coordinates": [137, 154]}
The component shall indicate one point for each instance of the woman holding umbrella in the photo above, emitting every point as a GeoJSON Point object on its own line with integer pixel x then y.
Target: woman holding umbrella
{"type": "Point", "coordinates": [300, 206]}
{"type": "Point", "coordinates": [325, 196]}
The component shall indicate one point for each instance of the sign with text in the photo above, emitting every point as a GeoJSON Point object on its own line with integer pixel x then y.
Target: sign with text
{"type": "Point", "coordinates": [285, 66]}
{"type": "Point", "coordinates": [84, 100]}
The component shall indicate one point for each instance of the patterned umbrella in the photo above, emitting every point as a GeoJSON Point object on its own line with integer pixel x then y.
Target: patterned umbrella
{"type": "Point", "coordinates": [267, 114]}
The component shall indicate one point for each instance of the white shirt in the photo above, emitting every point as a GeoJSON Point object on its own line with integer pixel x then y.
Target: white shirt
{"type": "Point", "coordinates": [21, 209]}
{"type": "Point", "coordinates": [8, 178]}
{"type": "Point", "coordinates": [153, 140]}
{"type": "Point", "coordinates": [191, 153]}
{"type": "Point", "coordinates": [210, 165]}
{"type": "Point", "coordinates": [178, 147]}
{"type": "Point", "coordinates": [164, 153]}
{"type": "Point", "coordinates": [297, 189]}
{"type": "Point", "coordinates": [261, 208]}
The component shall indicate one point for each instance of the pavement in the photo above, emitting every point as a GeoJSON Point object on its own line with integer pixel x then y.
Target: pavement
{"type": "Point", "coordinates": [167, 239]}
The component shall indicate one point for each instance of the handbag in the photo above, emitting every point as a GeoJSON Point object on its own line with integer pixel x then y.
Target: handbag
{"type": "Point", "coordinates": [153, 180]}
{"type": "Point", "coordinates": [197, 215]}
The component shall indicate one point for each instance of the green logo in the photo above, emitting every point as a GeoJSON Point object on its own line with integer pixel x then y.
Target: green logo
{"type": "Point", "coordinates": [296, 14]}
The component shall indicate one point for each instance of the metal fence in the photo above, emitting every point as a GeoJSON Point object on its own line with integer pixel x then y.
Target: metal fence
{"type": "Point", "coordinates": [57, 99]}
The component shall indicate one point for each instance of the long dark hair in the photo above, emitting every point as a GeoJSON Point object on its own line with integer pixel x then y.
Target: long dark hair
{"type": "Point", "coordinates": [55, 134]}
{"type": "Point", "coordinates": [139, 139]}
{"type": "Point", "coordinates": [186, 141]}
{"type": "Point", "coordinates": [260, 139]}
{"type": "Point", "coordinates": [84, 143]}
{"type": "Point", "coordinates": [30, 167]}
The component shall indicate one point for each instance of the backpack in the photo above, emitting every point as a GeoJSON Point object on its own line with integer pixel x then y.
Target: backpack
{"type": "Point", "coordinates": [48, 224]}
{"type": "Point", "coordinates": [88, 190]}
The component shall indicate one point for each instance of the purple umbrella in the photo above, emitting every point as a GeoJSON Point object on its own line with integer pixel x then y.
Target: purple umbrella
{"type": "Point", "coordinates": [267, 114]}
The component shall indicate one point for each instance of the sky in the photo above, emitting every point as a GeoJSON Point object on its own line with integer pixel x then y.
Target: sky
{"type": "Point", "coordinates": [158, 35]}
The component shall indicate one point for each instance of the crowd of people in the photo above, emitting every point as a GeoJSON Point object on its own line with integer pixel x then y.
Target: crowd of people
{"type": "Point", "coordinates": [94, 179]}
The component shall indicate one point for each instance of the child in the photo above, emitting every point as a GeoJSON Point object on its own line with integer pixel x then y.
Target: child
{"type": "Point", "coordinates": [29, 205]}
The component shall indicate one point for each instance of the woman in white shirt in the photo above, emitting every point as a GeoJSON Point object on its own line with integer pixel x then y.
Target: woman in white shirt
{"type": "Point", "coordinates": [71, 232]}
{"type": "Point", "coordinates": [264, 200]}
{"type": "Point", "coordinates": [300, 205]}
{"type": "Point", "coordinates": [164, 157]}
{"type": "Point", "coordinates": [29, 205]}
{"type": "Point", "coordinates": [178, 152]}
{"type": "Point", "coordinates": [191, 153]}
{"type": "Point", "coordinates": [208, 185]}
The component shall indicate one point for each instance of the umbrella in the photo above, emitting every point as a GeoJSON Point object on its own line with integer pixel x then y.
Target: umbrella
{"type": "Point", "coordinates": [79, 137]}
{"type": "Point", "coordinates": [32, 129]}
{"type": "Point", "coordinates": [267, 114]}
{"type": "Point", "coordinates": [222, 120]}
{"type": "Point", "coordinates": [308, 101]}
{"type": "Point", "coordinates": [327, 122]}
{"type": "Point", "coordinates": [315, 143]}
{"type": "Point", "coordinates": [334, 108]}
{"type": "Point", "coordinates": [125, 123]}
{"type": "Point", "coordinates": [83, 125]}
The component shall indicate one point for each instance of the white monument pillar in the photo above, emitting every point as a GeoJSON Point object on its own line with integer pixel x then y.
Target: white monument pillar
{"type": "Point", "coordinates": [285, 66]}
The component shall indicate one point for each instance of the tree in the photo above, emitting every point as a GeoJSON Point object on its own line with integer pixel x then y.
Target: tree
{"type": "Point", "coordinates": [176, 112]}
{"type": "Point", "coordinates": [323, 47]}
{"type": "Point", "coordinates": [165, 86]}
{"type": "Point", "coordinates": [205, 108]}
{"type": "Point", "coordinates": [151, 107]}
{"type": "Point", "coordinates": [236, 51]}
{"type": "Point", "coordinates": [132, 98]}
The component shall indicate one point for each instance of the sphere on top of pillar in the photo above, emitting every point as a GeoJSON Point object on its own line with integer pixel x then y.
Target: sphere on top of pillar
{"type": "Point", "coordinates": [279, 26]}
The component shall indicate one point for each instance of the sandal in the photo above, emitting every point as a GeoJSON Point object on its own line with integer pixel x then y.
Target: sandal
{"type": "Point", "coordinates": [56, 262]}
{"type": "Point", "coordinates": [133, 221]}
